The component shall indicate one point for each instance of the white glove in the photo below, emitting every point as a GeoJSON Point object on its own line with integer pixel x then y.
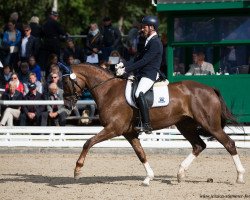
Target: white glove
{"type": "Point", "coordinates": [119, 65]}
{"type": "Point", "coordinates": [120, 71]}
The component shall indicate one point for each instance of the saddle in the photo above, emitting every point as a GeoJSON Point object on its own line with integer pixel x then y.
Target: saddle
{"type": "Point", "coordinates": [156, 96]}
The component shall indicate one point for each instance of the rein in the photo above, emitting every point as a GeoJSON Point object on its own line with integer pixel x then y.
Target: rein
{"type": "Point", "coordinates": [99, 84]}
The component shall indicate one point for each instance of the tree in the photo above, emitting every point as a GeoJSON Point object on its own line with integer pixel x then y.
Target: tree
{"type": "Point", "coordinates": [76, 15]}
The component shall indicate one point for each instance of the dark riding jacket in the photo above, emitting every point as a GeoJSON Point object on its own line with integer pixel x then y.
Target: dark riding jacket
{"type": "Point", "coordinates": [148, 63]}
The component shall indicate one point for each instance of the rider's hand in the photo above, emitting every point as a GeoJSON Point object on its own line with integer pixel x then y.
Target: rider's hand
{"type": "Point", "coordinates": [120, 71]}
{"type": "Point", "coordinates": [119, 65]}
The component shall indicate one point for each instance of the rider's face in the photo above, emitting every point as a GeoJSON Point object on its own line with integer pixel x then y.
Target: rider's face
{"type": "Point", "coordinates": [147, 30]}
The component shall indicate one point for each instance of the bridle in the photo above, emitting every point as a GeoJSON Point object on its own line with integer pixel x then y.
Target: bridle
{"type": "Point", "coordinates": [73, 82]}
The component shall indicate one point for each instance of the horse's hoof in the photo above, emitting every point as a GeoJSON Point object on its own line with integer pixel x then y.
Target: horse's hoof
{"type": "Point", "coordinates": [77, 175]}
{"type": "Point", "coordinates": [240, 178]}
{"type": "Point", "coordinates": [180, 177]}
{"type": "Point", "coordinates": [239, 181]}
{"type": "Point", "coordinates": [146, 181]}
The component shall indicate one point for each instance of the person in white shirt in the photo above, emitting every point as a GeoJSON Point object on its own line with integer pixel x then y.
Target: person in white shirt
{"type": "Point", "coordinates": [29, 45]}
{"type": "Point", "coordinates": [199, 66]}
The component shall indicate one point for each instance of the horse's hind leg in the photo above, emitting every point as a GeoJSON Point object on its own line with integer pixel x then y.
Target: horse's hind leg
{"type": "Point", "coordinates": [188, 128]}
{"type": "Point", "coordinates": [135, 142]}
{"type": "Point", "coordinates": [105, 134]}
{"type": "Point", "coordinates": [229, 144]}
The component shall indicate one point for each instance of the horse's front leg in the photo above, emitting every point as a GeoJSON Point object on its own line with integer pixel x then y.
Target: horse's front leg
{"type": "Point", "coordinates": [105, 134]}
{"type": "Point", "coordinates": [135, 142]}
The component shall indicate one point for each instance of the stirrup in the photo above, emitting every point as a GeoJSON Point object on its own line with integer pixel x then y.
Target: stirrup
{"type": "Point", "coordinates": [147, 129]}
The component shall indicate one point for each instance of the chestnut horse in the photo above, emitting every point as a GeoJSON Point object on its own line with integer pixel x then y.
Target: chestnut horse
{"type": "Point", "coordinates": [194, 108]}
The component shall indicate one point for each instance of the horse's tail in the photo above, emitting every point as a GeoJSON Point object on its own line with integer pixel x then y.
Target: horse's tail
{"type": "Point", "coordinates": [226, 115]}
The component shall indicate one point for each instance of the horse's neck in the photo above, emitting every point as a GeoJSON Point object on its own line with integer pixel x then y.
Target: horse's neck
{"type": "Point", "coordinates": [95, 81]}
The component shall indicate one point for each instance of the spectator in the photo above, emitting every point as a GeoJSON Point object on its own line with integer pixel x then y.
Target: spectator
{"type": "Point", "coordinates": [57, 113]}
{"type": "Point", "coordinates": [114, 59]}
{"type": "Point", "coordinates": [11, 40]}
{"type": "Point", "coordinates": [5, 76]}
{"type": "Point", "coordinates": [35, 68]}
{"type": "Point", "coordinates": [33, 79]}
{"type": "Point", "coordinates": [132, 39]}
{"type": "Point", "coordinates": [53, 78]}
{"type": "Point", "coordinates": [19, 84]}
{"type": "Point", "coordinates": [179, 68]}
{"type": "Point", "coordinates": [164, 41]}
{"type": "Point", "coordinates": [111, 38]}
{"type": "Point", "coordinates": [70, 60]}
{"type": "Point", "coordinates": [94, 42]}
{"type": "Point", "coordinates": [199, 66]}
{"type": "Point", "coordinates": [32, 114]}
{"type": "Point", "coordinates": [52, 60]}
{"type": "Point", "coordinates": [75, 51]}
{"type": "Point", "coordinates": [52, 32]}
{"type": "Point", "coordinates": [36, 29]}
{"type": "Point", "coordinates": [29, 45]}
{"type": "Point", "coordinates": [11, 112]}
{"type": "Point", "coordinates": [54, 68]}
{"type": "Point", "coordinates": [24, 72]}
{"type": "Point", "coordinates": [88, 111]}
{"type": "Point", "coordinates": [15, 18]}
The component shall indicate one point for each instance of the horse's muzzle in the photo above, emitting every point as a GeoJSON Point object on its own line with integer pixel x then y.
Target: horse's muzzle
{"type": "Point", "coordinates": [69, 104]}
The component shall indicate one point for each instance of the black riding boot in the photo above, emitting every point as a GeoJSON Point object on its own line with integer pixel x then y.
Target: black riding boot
{"type": "Point", "coordinates": [143, 106]}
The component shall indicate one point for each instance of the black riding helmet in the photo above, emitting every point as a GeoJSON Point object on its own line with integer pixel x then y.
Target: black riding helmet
{"type": "Point", "coordinates": [151, 21]}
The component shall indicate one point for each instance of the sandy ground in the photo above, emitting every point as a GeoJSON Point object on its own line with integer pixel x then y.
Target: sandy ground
{"type": "Point", "coordinates": [45, 176]}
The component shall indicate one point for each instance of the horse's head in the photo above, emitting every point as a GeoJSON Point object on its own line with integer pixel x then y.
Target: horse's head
{"type": "Point", "coordinates": [71, 87]}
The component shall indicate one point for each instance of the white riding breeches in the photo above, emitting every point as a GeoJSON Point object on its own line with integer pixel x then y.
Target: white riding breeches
{"type": "Point", "coordinates": [144, 85]}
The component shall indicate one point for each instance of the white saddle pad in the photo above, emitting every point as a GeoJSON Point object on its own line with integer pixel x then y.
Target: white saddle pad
{"type": "Point", "coordinates": [161, 94]}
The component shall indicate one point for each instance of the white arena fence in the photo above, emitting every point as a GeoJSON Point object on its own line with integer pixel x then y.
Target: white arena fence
{"type": "Point", "coordinates": [76, 136]}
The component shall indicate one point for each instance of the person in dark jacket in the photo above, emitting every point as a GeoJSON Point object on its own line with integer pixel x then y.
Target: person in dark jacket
{"type": "Point", "coordinates": [10, 112]}
{"type": "Point", "coordinates": [94, 41]}
{"type": "Point", "coordinates": [111, 38]}
{"type": "Point", "coordinates": [32, 114]}
{"type": "Point", "coordinates": [52, 32]}
{"type": "Point", "coordinates": [29, 45]}
{"type": "Point", "coordinates": [146, 67]}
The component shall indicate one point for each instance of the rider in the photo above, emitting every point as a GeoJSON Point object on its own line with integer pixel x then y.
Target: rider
{"type": "Point", "coordinates": [146, 67]}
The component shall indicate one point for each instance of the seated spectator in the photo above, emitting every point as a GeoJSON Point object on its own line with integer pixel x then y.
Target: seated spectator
{"type": "Point", "coordinates": [70, 60]}
{"type": "Point", "coordinates": [5, 77]}
{"type": "Point", "coordinates": [32, 115]}
{"type": "Point", "coordinates": [199, 66]}
{"type": "Point", "coordinates": [57, 113]}
{"type": "Point", "coordinates": [24, 72]}
{"type": "Point", "coordinates": [33, 79]}
{"type": "Point", "coordinates": [53, 78]}
{"type": "Point", "coordinates": [52, 60]}
{"type": "Point", "coordinates": [11, 112]}
{"type": "Point", "coordinates": [73, 50]}
{"type": "Point", "coordinates": [54, 68]}
{"type": "Point", "coordinates": [34, 67]}
{"type": "Point", "coordinates": [88, 111]}
{"type": "Point", "coordinates": [179, 68]}
{"type": "Point", "coordinates": [19, 84]}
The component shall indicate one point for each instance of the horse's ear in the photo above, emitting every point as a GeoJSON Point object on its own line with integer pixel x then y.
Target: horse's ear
{"type": "Point", "coordinates": [64, 68]}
